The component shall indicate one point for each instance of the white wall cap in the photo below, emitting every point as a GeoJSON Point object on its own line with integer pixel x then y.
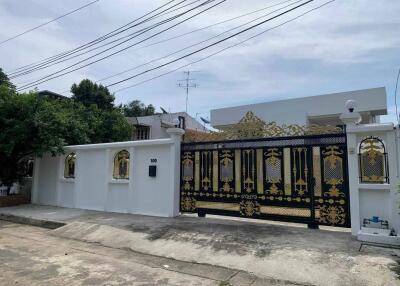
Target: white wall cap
{"type": "Point", "coordinates": [370, 127]}
{"type": "Point", "coordinates": [168, 123]}
{"type": "Point", "coordinates": [175, 131]}
{"type": "Point", "coordinates": [374, 187]}
{"type": "Point", "coordinates": [125, 144]}
{"type": "Point", "coordinates": [350, 117]}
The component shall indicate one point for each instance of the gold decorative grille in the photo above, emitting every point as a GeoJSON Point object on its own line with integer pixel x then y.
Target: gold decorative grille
{"type": "Point", "coordinates": [226, 171]}
{"type": "Point", "coordinates": [333, 170]}
{"type": "Point", "coordinates": [69, 166]}
{"type": "Point", "coordinates": [317, 170]}
{"type": "Point", "coordinates": [287, 172]}
{"type": "Point", "coordinates": [300, 179]}
{"type": "Point", "coordinates": [187, 171]}
{"type": "Point", "coordinates": [273, 170]}
{"type": "Point", "coordinates": [248, 170]}
{"type": "Point", "coordinates": [121, 165]}
{"type": "Point", "coordinates": [206, 170]}
{"type": "Point", "coordinates": [373, 161]}
{"type": "Point", "coordinates": [285, 211]}
{"type": "Point", "coordinates": [251, 126]}
{"type": "Point", "coordinates": [300, 171]}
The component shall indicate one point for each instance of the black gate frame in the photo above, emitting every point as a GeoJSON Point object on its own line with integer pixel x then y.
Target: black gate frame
{"type": "Point", "coordinates": [254, 201]}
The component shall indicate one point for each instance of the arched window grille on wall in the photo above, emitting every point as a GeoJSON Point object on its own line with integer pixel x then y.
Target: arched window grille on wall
{"type": "Point", "coordinates": [26, 166]}
{"type": "Point", "coordinates": [121, 165]}
{"type": "Point", "coordinates": [373, 161]}
{"type": "Point", "coordinates": [29, 167]}
{"type": "Point", "coordinates": [69, 166]}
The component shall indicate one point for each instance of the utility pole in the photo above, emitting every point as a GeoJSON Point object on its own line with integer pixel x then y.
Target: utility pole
{"type": "Point", "coordinates": [187, 84]}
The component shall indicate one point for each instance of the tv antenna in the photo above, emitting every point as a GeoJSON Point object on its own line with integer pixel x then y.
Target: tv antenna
{"type": "Point", "coordinates": [187, 84]}
{"type": "Point", "coordinates": [163, 110]}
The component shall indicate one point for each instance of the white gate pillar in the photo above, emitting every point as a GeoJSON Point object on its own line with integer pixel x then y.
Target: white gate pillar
{"type": "Point", "coordinates": [353, 178]}
{"type": "Point", "coordinates": [351, 119]}
{"type": "Point", "coordinates": [176, 134]}
{"type": "Point", "coordinates": [372, 199]}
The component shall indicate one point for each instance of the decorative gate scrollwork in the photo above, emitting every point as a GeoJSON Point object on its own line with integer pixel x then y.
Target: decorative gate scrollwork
{"type": "Point", "coordinates": [373, 161]}
{"type": "Point", "coordinates": [226, 171]}
{"type": "Point", "coordinates": [299, 179]}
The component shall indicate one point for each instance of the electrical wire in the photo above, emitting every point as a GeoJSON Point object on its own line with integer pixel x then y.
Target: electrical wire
{"type": "Point", "coordinates": [224, 49]}
{"type": "Point", "coordinates": [67, 58]}
{"type": "Point", "coordinates": [213, 44]}
{"type": "Point", "coordinates": [194, 31]}
{"type": "Point", "coordinates": [26, 69]}
{"type": "Point", "coordinates": [141, 32]}
{"type": "Point", "coordinates": [109, 34]}
{"type": "Point", "coordinates": [48, 22]}
{"type": "Point", "coordinates": [50, 77]}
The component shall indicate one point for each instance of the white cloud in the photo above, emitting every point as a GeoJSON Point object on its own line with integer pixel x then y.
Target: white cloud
{"type": "Point", "coordinates": [345, 45]}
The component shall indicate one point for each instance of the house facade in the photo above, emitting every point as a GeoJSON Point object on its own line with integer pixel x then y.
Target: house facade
{"type": "Point", "coordinates": [155, 126]}
{"type": "Point", "coordinates": [319, 110]}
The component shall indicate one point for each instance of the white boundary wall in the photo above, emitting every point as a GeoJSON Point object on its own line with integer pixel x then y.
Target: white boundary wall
{"type": "Point", "coordinates": [94, 187]}
{"type": "Point", "coordinates": [367, 200]}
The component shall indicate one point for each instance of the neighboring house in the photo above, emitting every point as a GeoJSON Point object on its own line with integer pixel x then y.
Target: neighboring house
{"type": "Point", "coordinates": [52, 95]}
{"type": "Point", "coordinates": [321, 110]}
{"type": "Point", "coordinates": [155, 126]}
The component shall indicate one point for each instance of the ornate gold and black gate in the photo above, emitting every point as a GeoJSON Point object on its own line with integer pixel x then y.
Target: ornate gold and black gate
{"type": "Point", "coordinates": [298, 179]}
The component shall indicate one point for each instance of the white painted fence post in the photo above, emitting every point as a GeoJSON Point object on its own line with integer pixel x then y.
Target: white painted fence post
{"type": "Point", "coordinates": [35, 181]}
{"type": "Point", "coordinates": [351, 119]}
{"type": "Point", "coordinates": [176, 134]}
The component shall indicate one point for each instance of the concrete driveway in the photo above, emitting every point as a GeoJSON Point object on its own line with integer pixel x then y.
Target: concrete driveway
{"type": "Point", "coordinates": [39, 259]}
{"type": "Point", "coordinates": [280, 251]}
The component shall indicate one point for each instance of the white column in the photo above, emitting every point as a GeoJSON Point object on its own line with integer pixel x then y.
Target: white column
{"type": "Point", "coordinates": [176, 134]}
{"type": "Point", "coordinates": [351, 119]}
{"type": "Point", "coordinates": [107, 178]}
{"type": "Point", "coordinates": [78, 180]}
{"type": "Point", "coordinates": [131, 189]}
{"type": "Point", "coordinates": [391, 149]}
{"type": "Point", "coordinates": [35, 183]}
{"type": "Point", "coordinates": [353, 173]}
{"type": "Point", "coordinates": [60, 168]}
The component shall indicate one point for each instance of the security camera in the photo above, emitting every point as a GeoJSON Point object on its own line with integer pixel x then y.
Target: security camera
{"type": "Point", "coordinates": [176, 122]}
{"type": "Point", "coordinates": [350, 105]}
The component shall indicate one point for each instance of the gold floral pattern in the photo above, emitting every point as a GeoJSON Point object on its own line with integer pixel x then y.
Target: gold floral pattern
{"type": "Point", "coordinates": [188, 204]}
{"type": "Point", "coordinates": [332, 215]}
{"type": "Point", "coordinates": [249, 208]}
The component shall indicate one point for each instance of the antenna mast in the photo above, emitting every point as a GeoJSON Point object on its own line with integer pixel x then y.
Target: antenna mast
{"type": "Point", "coordinates": [187, 84]}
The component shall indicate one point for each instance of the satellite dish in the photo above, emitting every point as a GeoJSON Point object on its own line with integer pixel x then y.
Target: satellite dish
{"type": "Point", "coordinates": [205, 120]}
{"type": "Point", "coordinates": [163, 110]}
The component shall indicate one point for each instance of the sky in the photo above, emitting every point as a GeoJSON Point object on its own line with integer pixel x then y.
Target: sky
{"type": "Point", "coordinates": [345, 45]}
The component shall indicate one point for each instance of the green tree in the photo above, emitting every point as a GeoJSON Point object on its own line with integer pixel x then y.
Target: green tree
{"type": "Point", "coordinates": [4, 80]}
{"type": "Point", "coordinates": [89, 93]}
{"type": "Point", "coordinates": [107, 126]}
{"type": "Point", "coordinates": [32, 125]}
{"type": "Point", "coordinates": [136, 108]}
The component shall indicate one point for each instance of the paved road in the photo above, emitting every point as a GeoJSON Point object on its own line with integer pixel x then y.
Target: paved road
{"type": "Point", "coordinates": [270, 250]}
{"type": "Point", "coordinates": [29, 256]}
{"type": "Point", "coordinates": [32, 256]}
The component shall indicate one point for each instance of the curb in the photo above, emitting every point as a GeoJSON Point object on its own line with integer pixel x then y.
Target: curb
{"type": "Point", "coordinates": [31, 221]}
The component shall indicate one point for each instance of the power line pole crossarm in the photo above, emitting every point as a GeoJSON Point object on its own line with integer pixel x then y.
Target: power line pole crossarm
{"type": "Point", "coordinates": [187, 84]}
